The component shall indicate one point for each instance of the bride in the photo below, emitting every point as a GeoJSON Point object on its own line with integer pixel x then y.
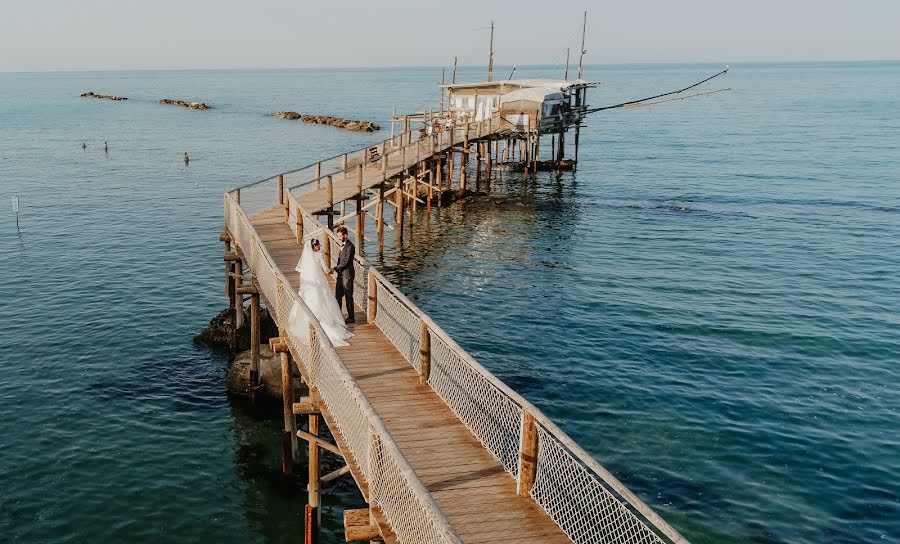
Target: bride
{"type": "Point", "coordinates": [316, 293]}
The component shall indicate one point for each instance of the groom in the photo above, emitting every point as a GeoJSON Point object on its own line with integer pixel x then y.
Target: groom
{"type": "Point", "coordinates": [343, 285]}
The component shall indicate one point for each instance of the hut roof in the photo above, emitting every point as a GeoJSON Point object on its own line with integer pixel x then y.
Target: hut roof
{"type": "Point", "coordinates": [555, 84]}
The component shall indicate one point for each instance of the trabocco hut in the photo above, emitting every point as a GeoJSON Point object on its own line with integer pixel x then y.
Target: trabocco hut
{"type": "Point", "coordinates": [543, 105]}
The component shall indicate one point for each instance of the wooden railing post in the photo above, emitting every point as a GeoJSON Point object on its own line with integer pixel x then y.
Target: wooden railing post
{"type": "Point", "coordinates": [237, 196]}
{"type": "Point", "coordinates": [528, 447]}
{"type": "Point", "coordinates": [372, 303]}
{"type": "Point", "coordinates": [424, 352]}
{"type": "Point", "coordinates": [281, 189]}
{"type": "Point", "coordinates": [298, 220]}
{"type": "Point", "coordinates": [318, 175]}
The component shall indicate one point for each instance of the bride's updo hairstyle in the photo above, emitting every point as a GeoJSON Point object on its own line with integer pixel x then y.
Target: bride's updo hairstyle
{"type": "Point", "coordinates": [314, 243]}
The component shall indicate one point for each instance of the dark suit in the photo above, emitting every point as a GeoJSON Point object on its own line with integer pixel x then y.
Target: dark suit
{"type": "Point", "coordinates": [343, 285]}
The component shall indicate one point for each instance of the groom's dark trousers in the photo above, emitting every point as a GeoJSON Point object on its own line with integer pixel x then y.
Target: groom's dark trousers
{"type": "Point", "coordinates": [343, 285]}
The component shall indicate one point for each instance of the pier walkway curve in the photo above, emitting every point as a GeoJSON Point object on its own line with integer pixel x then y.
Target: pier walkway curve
{"type": "Point", "coordinates": [441, 449]}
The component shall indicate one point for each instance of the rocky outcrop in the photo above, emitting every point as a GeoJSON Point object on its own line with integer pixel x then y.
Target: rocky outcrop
{"type": "Point", "coordinates": [91, 94]}
{"type": "Point", "coordinates": [238, 375]}
{"type": "Point", "coordinates": [355, 125]}
{"type": "Point", "coordinates": [218, 334]}
{"type": "Point", "coordinates": [185, 104]}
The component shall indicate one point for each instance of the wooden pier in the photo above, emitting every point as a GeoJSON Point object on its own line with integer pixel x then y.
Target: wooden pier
{"type": "Point", "coordinates": [441, 450]}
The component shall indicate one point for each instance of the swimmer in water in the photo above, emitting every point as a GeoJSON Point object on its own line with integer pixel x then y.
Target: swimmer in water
{"type": "Point", "coordinates": [187, 160]}
{"type": "Point", "coordinates": [105, 147]}
{"type": "Point", "coordinates": [83, 146]}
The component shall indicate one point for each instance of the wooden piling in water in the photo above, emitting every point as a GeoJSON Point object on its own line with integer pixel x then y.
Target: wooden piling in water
{"type": "Point", "coordinates": [312, 508]}
{"type": "Point", "coordinates": [254, 344]}
{"type": "Point", "coordinates": [379, 214]}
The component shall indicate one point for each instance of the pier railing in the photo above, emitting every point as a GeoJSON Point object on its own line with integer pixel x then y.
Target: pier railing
{"type": "Point", "coordinates": [392, 484]}
{"type": "Point", "coordinates": [588, 503]}
{"type": "Point", "coordinates": [388, 156]}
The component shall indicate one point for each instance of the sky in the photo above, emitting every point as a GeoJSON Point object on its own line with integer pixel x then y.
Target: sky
{"type": "Point", "coordinates": [49, 35]}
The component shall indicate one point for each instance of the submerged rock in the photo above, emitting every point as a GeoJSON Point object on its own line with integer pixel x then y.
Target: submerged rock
{"type": "Point", "coordinates": [90, 94]}
{"type": "Point", "coordinates": [218, 334]}
{"type": "Point", "coordinates": [238, 375]}
{"type": "Point", "coordinates": [355, 125]}
{"type": "Point", "coordinates": [185, 104]}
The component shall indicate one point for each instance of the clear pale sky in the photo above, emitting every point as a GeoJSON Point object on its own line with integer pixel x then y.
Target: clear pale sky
{"type": "Point", "coordinates": [39, 35]}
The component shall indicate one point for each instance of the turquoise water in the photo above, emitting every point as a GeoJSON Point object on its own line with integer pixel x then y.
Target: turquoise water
{"type": "Point", "coordinates": [734, 363]}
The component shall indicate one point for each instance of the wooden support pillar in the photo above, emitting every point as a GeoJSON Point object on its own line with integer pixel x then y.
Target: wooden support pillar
{"type": "Point", "coordinates": [413, 205]}
{"type": "Point", "coordinates": [561, 151]}
{"type": "Point", "coordinates": [439, 182]}
{"type": "Point", "coordinates": [229, 281]}
{"type": "Point", "coordinates": [298, 219]}
{"type": "Point", "coordinates": [577, 135]}
{"type": "Point", "coordinates": [238, 298]}
{"type": "Point", "coordinates": [400, 203]}
{"type": "Point", "coordinates": [496, 151]}
{"type": "Point", "coordinates": [430, 192]}
{"type": "Point", "coordinates": [379, 211]}
{"type": "Point", "coordinates": [489, 161]}
{"type": "Point", "coordinates": [329, 192]}
{"type": "Point", "coordinates": [360, 214]}
{"type": "Point", "coordinates": [451, 160]}
{"type": "Point", "coordinates": [424, 352]}
{"type": "Point", "coordinates": [289, 453]}
{"type": "Point", "coordinates": [372, 302]}
{"type": "Point", "coordinates": [479, 146]}
{"type": "Point", "coordinates": [537, 150]}
{"type": "Point", "coordinates": [464, 162]}
{"type": "Point", "coordinates": [528, 447]}
{"type": "Point", "coordinates": [312, 507]}
{"type": "Point", "coordinates": [254, 345]}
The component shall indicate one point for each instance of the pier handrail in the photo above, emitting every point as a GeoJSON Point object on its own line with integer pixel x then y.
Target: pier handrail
{"type": "Point", "coordinates": [410, 509]}
{"type": "Point", "coordinates": [578, 493]}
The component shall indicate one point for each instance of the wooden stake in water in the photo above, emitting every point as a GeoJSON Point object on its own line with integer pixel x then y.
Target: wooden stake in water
{"type": "Point", "coordinates": [15, 205]}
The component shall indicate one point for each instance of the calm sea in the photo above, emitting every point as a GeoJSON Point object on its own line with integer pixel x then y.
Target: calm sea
{"type": "Point", "coordinates": [710, 305]}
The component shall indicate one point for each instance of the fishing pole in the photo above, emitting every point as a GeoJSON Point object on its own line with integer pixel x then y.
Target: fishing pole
{"type": "Point", "coordinates": [631, 102]}
{"type": "Point", "coordinates": [642, 104]}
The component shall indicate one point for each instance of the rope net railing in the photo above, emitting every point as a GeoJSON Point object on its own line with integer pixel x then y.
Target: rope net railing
{"type": "Point", "coordinates": [392, 484]}
{"type": "Point", "coordinates": [587, 502]}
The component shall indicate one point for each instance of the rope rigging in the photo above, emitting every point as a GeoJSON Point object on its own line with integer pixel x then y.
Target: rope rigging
{"type": "Point", "coordinates": [645, 101]}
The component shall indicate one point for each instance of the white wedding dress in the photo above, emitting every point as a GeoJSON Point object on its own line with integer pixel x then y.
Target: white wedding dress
{"type": "Point", "coordinates": [316, 293]}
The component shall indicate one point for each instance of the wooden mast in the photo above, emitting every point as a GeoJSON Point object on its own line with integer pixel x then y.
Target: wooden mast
{"type": "Point", "coordinates": [581, 54]}
{"type": "Point", "coordinates": [491, 57]}
{"type": "Point", "coordinates": [566, 77]}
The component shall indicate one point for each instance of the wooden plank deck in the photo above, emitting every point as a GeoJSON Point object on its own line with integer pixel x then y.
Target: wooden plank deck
{"type": "Point", "coordinates": [477, 496]}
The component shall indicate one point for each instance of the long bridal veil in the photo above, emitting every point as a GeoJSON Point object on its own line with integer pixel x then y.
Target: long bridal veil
{"type": "Point", "coordinates": [316, 293]}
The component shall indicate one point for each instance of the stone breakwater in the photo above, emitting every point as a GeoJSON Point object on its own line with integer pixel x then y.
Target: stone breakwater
{"type": "Point", "coordinates": [337, 122]}
{"type": "Point", "coordinates": [90, 94]}
{"type": "Point", "coordinates": [185, 104]}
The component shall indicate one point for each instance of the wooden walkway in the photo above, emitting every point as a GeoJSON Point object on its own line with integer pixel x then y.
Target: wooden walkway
{"type": "Point", "coordinates": [476, 494]}
{"type": "Point", "coordinates": [443, 451]}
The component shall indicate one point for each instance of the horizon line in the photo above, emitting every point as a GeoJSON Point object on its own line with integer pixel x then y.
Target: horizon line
{"type": "Point", "coordinates": [419, 67]}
